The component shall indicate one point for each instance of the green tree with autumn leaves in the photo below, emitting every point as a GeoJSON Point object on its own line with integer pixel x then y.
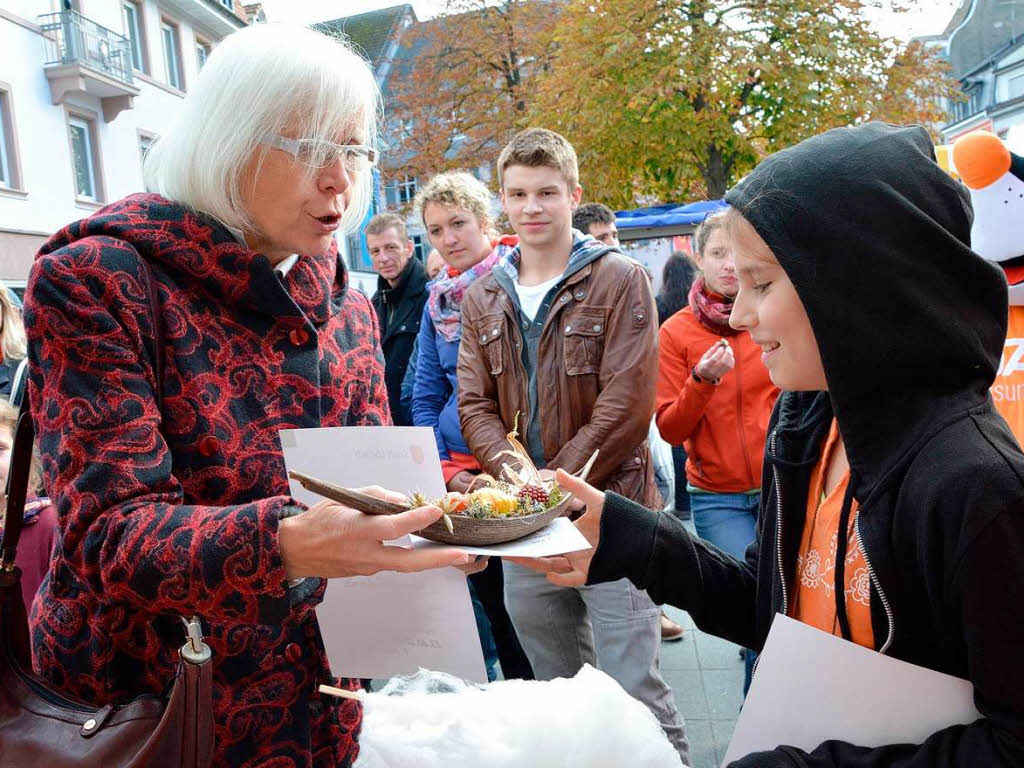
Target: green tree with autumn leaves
{"type": "Point", "coordinates": [465, 82]}
{"type": "Point", "coordinates": [671, 99]}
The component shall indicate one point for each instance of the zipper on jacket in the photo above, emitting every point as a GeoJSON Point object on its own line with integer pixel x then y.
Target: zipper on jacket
{"type": "Point", "coordinates": [778, 531]}
{"type": "Point", "coordinates": [878, 586]}
{"type": "Point", "coordinates": [525, 413]}
{"type": "Point", "coordinates": [778, 542]}
{"type": "Point", "coordinates": [552, 310]}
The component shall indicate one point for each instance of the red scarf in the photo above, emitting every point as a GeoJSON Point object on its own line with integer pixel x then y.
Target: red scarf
{"type": "Point", "coordinates": [711, 309]}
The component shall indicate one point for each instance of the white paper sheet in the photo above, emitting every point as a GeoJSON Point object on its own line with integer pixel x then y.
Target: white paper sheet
{"type": "Point", "coordinates": [811, 686]}
{"type": "Point", "coordinates": [403, 459]}
{"type": "Point", "coordinates": [390, 623]}
{"type": "Point", "coordinates": [556, 538]}
{"type": "Point", "coordinates": [394, 623]}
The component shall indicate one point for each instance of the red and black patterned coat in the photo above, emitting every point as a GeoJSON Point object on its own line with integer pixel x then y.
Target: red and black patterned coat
{"type": "Point", "coordinates": [164, 514]}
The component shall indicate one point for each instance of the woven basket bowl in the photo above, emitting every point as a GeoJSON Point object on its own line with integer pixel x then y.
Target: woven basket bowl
{"type": "Point", "coordinates": [483, 531]}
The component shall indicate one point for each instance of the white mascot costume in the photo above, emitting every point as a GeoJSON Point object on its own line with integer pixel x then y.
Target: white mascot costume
{"type": "Point", "coordinates": [995, 177]}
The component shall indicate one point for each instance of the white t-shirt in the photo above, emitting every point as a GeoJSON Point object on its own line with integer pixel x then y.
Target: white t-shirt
{"type": "Point", "coordinates": [531, 296]}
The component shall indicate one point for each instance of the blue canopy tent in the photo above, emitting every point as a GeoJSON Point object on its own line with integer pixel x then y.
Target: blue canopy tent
{"type": "Point", "coordinates": [663, 220]}
{"type": "Point", "coordinates": [650, 235]}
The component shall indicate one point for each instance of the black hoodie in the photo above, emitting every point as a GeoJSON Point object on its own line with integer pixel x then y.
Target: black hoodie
{"type": "Point", "coordinates": [910, 324]}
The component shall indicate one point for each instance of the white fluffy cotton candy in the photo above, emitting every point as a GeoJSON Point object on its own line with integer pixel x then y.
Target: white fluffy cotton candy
{"type": "Point", "coordinates": [587, 721]}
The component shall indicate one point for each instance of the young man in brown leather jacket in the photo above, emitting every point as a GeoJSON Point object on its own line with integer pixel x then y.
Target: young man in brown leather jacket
{"type": "Point", "coordinates": [563, 333]}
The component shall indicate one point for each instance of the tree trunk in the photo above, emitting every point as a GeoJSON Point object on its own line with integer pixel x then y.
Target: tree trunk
{"type": "Point", "coordinates": [716, 173]}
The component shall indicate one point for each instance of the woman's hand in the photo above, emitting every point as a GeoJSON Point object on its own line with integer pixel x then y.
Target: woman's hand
{"type": "Point", "coordinates": [572, 568]}
{"type": "Point", "coordinates": [717, 361]}
{"type": "Point", "coordinates": [333, 541]}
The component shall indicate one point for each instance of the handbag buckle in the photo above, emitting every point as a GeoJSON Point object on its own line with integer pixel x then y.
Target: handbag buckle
{"type": "Point", "coordinates": [195, 651]}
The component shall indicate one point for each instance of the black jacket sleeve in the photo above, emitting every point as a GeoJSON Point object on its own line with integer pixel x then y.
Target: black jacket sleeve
{"type": "Point", "coordinates": [656, 552]}
{"type": "Point", "coordinates": [971, 534]}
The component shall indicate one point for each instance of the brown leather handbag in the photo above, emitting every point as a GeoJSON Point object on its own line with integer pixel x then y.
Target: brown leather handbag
{"type": "Point", "coordinates": [42, 726]}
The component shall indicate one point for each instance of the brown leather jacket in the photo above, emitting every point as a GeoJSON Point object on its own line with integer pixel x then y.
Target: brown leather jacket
{"type": "Point", "coordinates": [597, 370]}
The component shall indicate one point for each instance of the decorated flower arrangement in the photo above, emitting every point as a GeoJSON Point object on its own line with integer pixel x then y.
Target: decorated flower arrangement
{"type": "Point", "coordinates": [522, 492]}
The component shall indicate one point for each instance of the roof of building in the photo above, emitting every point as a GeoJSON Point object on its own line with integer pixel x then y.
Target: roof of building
{"type": "Point", "coordinates": [986, 27]}
{"type": "Point", "coordinates": [372, 32]}
{"type": "Point", "coordinates": [958, 16]}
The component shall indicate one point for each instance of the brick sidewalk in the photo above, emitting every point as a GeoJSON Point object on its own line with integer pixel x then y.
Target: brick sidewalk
{"type": "Point", "coordinates": [706, 675]}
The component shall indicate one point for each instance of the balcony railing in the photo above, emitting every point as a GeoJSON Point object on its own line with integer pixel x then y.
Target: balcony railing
{"type": "Point", "coordinates": [70, 38]}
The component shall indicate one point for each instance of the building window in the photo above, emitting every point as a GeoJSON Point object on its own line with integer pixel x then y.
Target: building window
{"type": "Point", "coordinates": [1017, 86]}
{"type": "Point", "coordinates": [972, 105]}
{"type": "Point", "coordinates": [6, 144]}
{"type": "Point", "coordinates": [133, 31]}
{"type": "Point", "coordinates": [482, 173]}
{"type": "Point", "coordinates": [229, 4]}
{"type": "Point", "coordinates": [421, 247]}
{"type": "Point", "coordinates": [172, 59]}
{"type": "Point", "coordinates": [358, 256]}
{"type": "Point", "coordinates": [400, 191]}
{"type": "Point", "coordinates": [202, 53]}
{"type": "Point", "coordinates": [83, 158]}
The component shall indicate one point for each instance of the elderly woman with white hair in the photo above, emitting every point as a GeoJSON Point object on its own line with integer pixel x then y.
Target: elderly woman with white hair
{"type": "Point", "coordinates": [171, 492]}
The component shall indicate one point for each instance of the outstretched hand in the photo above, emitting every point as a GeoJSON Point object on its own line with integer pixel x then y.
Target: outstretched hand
{"type": "Point", "coordinates": [572, 568]}
{"type": "Point", "coordinates": [330, 540]}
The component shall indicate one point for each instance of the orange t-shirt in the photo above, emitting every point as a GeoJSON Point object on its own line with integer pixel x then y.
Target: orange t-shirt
{"type": "Point", "coordinates": [814, 598]}
{"type": "Point", "coordinates": [1008, 388]}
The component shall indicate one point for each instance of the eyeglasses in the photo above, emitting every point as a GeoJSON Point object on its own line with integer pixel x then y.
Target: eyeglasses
{"type": "Point", "coordinates": [319, 153]}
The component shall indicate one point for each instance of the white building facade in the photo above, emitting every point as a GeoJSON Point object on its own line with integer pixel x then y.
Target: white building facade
{"type": "Point", "coordinates": [85, 86]}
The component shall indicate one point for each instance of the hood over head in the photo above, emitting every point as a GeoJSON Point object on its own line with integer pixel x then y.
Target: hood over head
{"type": "Point", "coordinates": [875, 237]}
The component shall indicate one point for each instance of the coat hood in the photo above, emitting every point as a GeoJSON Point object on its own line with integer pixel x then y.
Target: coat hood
{"type": "Point", "coordinates": [198, 251]}
{"type": "Point", "coordinates": [875, 237]}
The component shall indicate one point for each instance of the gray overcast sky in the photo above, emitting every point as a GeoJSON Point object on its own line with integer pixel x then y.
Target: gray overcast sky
{"type": "Point", "coordinates": [929, 18]}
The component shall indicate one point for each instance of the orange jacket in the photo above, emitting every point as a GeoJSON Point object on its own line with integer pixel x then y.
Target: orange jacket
{"type": "Point", "coordinates": [721, 426]}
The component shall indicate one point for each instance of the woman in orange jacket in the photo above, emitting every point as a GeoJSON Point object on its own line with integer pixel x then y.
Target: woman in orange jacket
{"type": "Point", "coordinates": [714, 398]}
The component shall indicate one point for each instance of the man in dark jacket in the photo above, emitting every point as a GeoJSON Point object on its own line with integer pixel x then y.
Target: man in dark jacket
{"type": "Point", "coordinates": [401, 294]}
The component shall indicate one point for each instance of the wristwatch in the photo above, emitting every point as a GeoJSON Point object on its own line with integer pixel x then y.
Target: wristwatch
{"type": "Point", "coordinates": [700, 379]}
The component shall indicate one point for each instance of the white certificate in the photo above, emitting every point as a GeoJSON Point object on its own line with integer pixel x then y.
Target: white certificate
{"type": "Point", "coordinates": [811, 686]}
{"type": "Point", "coordinates": [390, 623]}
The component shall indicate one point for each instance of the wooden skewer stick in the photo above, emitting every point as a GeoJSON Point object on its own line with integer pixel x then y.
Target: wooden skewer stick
{"type": "Point", "coordinates": [342, 693]}
{"type": "Point", "coordinates": [370, 505]}
{"type": "Point", "coordinates": [583, 474]}
{"type": "Point", "coordinates": [365, 503]}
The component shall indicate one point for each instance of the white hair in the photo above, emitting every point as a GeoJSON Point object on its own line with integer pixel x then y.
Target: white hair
{"type": "Point", "coordinates": [258, 81]}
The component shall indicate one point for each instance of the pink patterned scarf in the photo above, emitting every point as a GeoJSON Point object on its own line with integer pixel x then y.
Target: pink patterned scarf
{"type": "Point", "coordinates": [444, 304]}
{"type": "Point", "coordinates": [712, 310]}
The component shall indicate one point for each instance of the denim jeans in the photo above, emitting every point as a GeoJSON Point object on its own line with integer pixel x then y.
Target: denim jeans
{"type": "Point", "coordinates": [483, 628]}
{"type": "Point", "coordinates": [728, 521]}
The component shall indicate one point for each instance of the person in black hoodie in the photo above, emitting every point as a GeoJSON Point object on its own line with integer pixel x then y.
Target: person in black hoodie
{"type": "Point", "coordinates": [884, 330]}
{"type": "Point", "coordinates": [401, 294]}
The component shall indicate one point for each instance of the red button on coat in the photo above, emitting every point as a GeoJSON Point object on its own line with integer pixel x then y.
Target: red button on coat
{"type": "Point", "coordinates": [298, 336]}
{"type": "Point", "coordinates": [293, 652]}
{"type": "Point", "coordinates": [208, 446]}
